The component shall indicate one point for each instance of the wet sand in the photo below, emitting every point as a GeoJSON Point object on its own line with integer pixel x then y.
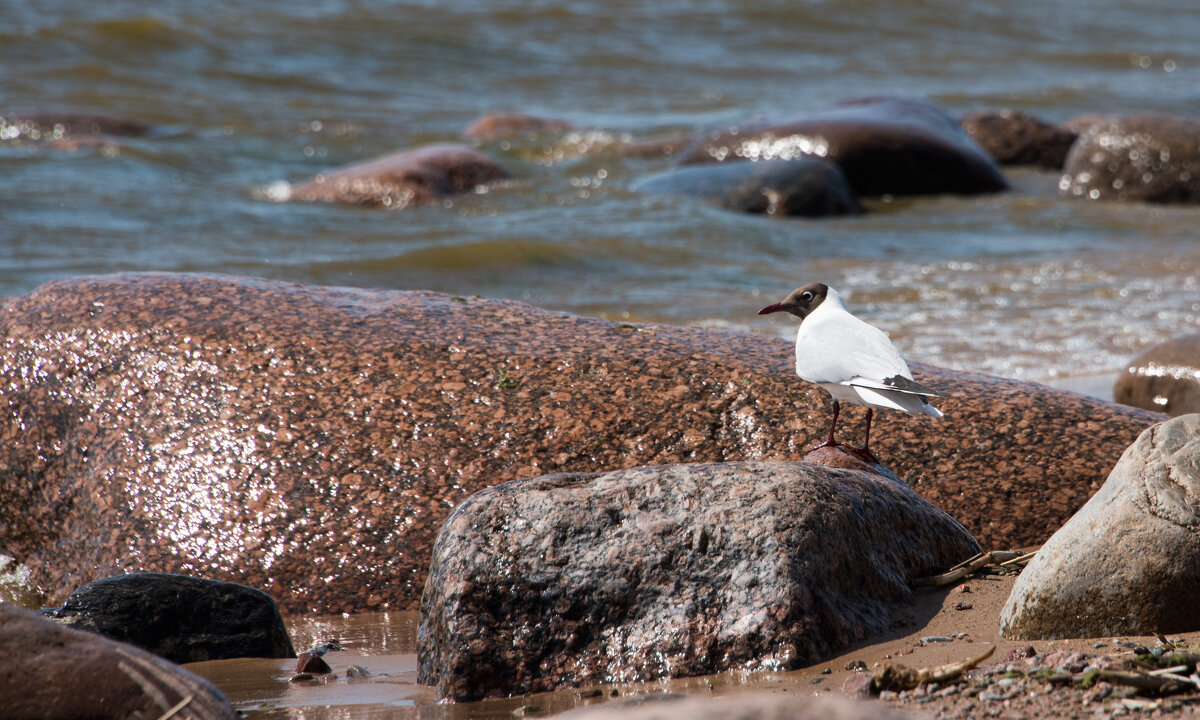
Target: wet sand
{"type": "Point", "coordinates": [384, 644]}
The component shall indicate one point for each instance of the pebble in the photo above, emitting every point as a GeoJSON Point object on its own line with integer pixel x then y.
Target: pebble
{"type": "Point", "coordinates": [935, 638]}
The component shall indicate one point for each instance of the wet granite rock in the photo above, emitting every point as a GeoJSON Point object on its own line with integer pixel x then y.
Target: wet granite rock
{"type": "Point", "coordinates": [895, 146]}
{"type": "Point", "coordinates": [671, 571]}
{"type": "Point", "coordinates": [1016, 138]}
{"type": "Point", "coordinates": [404, 178]}
{"type": "Point", "coordinates": [54, 673]}
{"type": "Point", "coordinates": [1165, 378]}
{"type": "Point", "coordinates": [500, 126]}
{"type": "Point", "coordinates": [1128, 563]}
{"type": "Point", "coordinates": [741, 706]}
{"type": "Point", "coordinates": [806, 186]}
{"type": "Point", "coordinates": [309, 441]}
{"type": "Point", "coordinates": [180, 618]}
{"type": "Point", "coordinates": [1145, 159]}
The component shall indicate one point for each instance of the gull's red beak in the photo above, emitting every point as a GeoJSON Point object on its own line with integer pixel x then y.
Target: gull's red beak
{"type": "Point", "coordinates": [777, 307]}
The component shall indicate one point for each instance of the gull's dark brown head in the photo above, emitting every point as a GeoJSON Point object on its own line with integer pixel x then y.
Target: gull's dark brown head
{"type": "Point", "coordinates": [801, 302]}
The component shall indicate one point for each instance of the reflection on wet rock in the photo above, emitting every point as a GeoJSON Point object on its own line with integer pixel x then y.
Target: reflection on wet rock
{"type": "Point", "coordinates": [1145, 158]}
{"type": "Point", "coordinates": [1016, 138]}
{"type": "Point", "coordinates": [404, 178]}
{"type": "Point", "coordinates": [676, 571]}
{"type": "Point", "coordinates": [884, 146]}
{"type": "Point", "coordinates": [1165, 378]}
{"type": "Point", "coordinates": [52, 127]}
{"type": "Point", "coordinates": [309, 441]}
{"type": "Point", "coordinates": [180, 618]}
{"type": "Point", "coordinates": [804, 186]}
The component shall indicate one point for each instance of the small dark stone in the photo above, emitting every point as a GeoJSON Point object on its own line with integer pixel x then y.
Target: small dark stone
{"type": "Point", "coordinates": [963, 606]}
{"type": "Point", "coordinates": [357, 671]}
{"type": "Point", "coordinates": [301, 677]}
{"type": "Point", "coordinates": [856, 665]}
{"type": "Point", "coordinates": [1017, 138]}
{"type": "Point", "coordinates": [310, 662]}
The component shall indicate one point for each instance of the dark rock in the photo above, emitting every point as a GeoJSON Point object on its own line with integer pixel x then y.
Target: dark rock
{"type": "Point", "coordinates": [54, 673]}
{"type": "Point", "coordinates": [1016, 138]}
{"type": "Point", "coordinates": [1145, 158]}
{"type": "Point", "coordinates": [66, 126]}
{"type": "Point", "coordinates": [1128, 563]}
{"type": "Point", "coordinates": [670, 571]}
{"type": "Point", "coordinates": [180, 618]}
{"type": "Point", "coordinates": [404, 178]}
{"type": "Point", "coordinates": [309, 441]}
{"type": "Point", "coordinates": [1165, 378]}
{"type": "Point", "coordinates": [312, 663]}
{"type": "Point", "coordinates": [741, 706]}
{"type": "Point", "coordinates": [499, 126]}
{"type": "Point", "coordinates": [805, 186]}
{"type": "Point", "coordinates": [884, 146]}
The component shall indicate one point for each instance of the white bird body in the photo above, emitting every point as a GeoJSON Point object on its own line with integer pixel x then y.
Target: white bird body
{"type": "Point", "coordinates": [853, 361]}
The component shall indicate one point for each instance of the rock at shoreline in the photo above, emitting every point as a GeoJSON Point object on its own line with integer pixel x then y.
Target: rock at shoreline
{"type": "Point", "coordinates": [1016, 138]}
{"type": "Point", "coordinates": [180, 618]}
{"type": "Point", "coordinates": [309, 441]}
{"type": "Point", "coordinates": [1165, 378]}
{"type": "Point", "coordinates": [895, 146]}
{"type": "Point", "coordinates": [52, 672]}
{"type": "Point", "coordinates": [806, 186]}
{"type": "Point", "coordinates": [1145, 158]}
{"type": "Point", "coordinates": [742, 706]}
{"type": "Point", "coordinates": [499, 126]}
{"type": "Point", "coordinates": [671, 571]}
{"type": "Point", "coordinates": [404, 178]}
{"type": "Point", "coordinates": [1128, 563]}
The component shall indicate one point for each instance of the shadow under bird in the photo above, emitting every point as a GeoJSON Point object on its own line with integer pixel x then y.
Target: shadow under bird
{"type": "Point", "coordinates": [853, 361]}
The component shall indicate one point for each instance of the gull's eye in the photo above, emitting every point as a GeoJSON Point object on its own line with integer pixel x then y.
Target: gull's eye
{"type": "Point", "coordinates": [806, 296]}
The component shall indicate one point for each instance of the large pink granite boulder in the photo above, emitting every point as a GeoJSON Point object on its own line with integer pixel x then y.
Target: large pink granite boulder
{"type": "Point", "coordinates": [309, 441]}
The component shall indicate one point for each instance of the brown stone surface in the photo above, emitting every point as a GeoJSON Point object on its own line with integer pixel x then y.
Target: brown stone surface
{"type": "Point", "coordinates": [1129, 561]}
{"type": "Point", "coordinates": [671, 571]}
{"type": "Point", "coordinates": [1016, 138]}
{"type": "Point", "coordinates": [54, 673]}
{"type": "Point", "coordinates": [62, 126]}
{"type": "Point", "coordinates": [1165, 378]}
{"type": "Point", "coordinates": [804, 187]}
{"type": "Point", "coordinates": [498, 126]}
{"type": "Point", "coordinates": [894, 146]}
{"type": "Point", "coordinates": [404, 178]}
{"type": "Point", "coordinates": [309, 441]}
{"type": "Point", "coordinates": [1145, 158]}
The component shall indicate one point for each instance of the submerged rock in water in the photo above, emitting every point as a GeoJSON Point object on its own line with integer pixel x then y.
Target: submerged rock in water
{"type": "Point", "coordinates": [309, 441]}
{"type": "Point", "coordinates": [1145, 158]}
{"type": "Point", "coordinates": [1165, 378]}
{"type": "Point", "coordinates": [53, 672]}
{"type": "Point", "coordinates": [895, 146]}
{"type": "Point", "coordinates": [180, 618]}
{"type": "Point", "coordinates": [63, 126]}
{"type": "Point", "coordinates": [671, 571]}
{"type": "Point", "coordinates": [498, 126]}
{"type": "Point", "coordinates": [807, 187]}
{"type": "Point", "coordinates": [1016, 138]}
{"type": "Point", "coordinates": [404, 178]}
{"type": "Point", "coordinates": [1128, 563]}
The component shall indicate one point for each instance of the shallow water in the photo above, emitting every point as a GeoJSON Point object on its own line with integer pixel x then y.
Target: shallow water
{"type": "Point", "coordinates": [1027, 284]}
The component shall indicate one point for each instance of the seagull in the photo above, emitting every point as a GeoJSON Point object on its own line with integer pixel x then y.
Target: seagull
{"type": "Point", "coordinates": [853, 361]}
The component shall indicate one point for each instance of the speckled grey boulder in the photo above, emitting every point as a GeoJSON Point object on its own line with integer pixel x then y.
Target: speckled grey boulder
{"type": "Point", "coordinates": [1128, 563]}
{"type": "Point", "coordinates": [671, 571]}
{"type": "Point", "coordinates": [1144, 158]}
{"type": "Point", "coordinates": [1165, 378]}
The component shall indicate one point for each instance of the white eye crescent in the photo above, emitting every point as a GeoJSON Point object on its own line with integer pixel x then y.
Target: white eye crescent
{"type": "Point", "coordinates": [806, 296]}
